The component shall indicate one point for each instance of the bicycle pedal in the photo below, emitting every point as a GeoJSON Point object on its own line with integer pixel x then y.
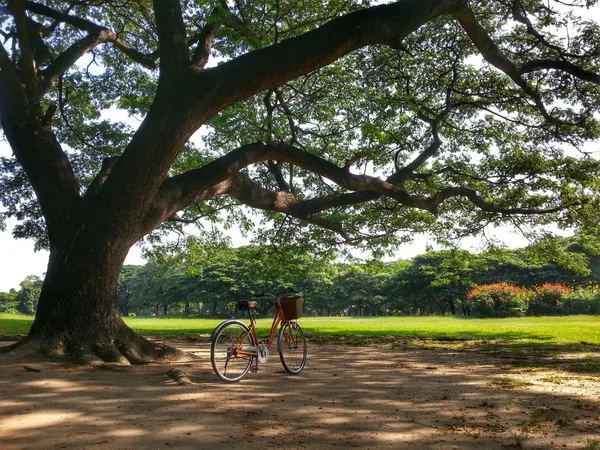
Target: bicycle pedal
{"type": "Point", "coordinates": [254, 369]}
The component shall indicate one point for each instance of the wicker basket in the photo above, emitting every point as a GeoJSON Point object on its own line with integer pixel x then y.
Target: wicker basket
{"type": "Point", "coordinates": [292, 307]}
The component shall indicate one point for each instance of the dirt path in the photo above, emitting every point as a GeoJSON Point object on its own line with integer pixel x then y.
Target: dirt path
{"type": "Point", "coordinates": [347, 397]}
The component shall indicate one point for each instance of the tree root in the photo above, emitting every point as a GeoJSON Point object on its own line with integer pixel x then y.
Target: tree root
{"type": "Point", "coordinates": [127, 349]}
{"type": "Point", "coordinates": [179, 377]}
{"type": "Point", "coordinates": [10, 347]}
{"type": "Point", "coordinates": [26, 348]}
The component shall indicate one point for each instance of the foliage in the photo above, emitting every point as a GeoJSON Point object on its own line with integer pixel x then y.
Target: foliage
{"type": "Point", "coordinates": [582, 300]}
{"type": "Point", "coordinates": [467, 139]}
{"type": "Point", "coordinates": [436, 282]}
{"type": "Point", "coordinates": [547, 298]}
{"type": "Point", "coordinates": [498, 300]}
{"type": "Point", "coordinates": [25, 300]}
{"type": "Point", "coordinates": [207, 277]}
{"type": "Point", "coordinates": [8, 302]}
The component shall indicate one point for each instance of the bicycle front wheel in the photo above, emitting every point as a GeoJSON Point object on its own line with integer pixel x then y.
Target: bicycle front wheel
{"type": "Point", "coordinates": [291, 345]}
{"type": "Point", "coordinates": [225, 352]}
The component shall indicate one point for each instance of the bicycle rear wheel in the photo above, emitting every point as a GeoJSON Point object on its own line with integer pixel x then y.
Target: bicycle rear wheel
{"type": "Point", "coordinates": [227, 362]}
{"type": "Point", "coordinates": [291, 345]}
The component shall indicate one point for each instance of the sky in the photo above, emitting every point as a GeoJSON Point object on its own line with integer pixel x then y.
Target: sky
{"type": "Point", "coordinates": [18, 259]}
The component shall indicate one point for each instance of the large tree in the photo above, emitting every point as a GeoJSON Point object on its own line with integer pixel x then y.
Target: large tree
{"type": "Point", "coordinates": [366, 123]}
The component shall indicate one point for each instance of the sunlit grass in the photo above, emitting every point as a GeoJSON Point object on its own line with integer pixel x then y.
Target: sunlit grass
{"type": "Point", "coordinates": [558, 331]}
{"type": "Point", "coordinates": [14, 324]}
{"type": "Point", "coordinates": [549, 330]}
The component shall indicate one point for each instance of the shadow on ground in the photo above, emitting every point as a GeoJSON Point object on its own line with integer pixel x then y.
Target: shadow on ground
{"type": "Point", "coordinates": [347, 397]}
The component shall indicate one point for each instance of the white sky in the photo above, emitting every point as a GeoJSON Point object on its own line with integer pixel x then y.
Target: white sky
{"type": "Point", "coordinates": [18, 260]}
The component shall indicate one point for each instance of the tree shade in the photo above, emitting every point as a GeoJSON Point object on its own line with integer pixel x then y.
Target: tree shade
{"type": "Point", "coordinates": [347, 123]}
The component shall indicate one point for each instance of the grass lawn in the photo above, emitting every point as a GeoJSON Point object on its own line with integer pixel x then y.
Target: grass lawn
{"type": "Point", "coordinates": [544, 331]}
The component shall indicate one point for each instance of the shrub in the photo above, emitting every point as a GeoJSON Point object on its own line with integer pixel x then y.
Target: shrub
{"type": "Point", "coordinates": [546, 299]}
{"type": "Point", "coordinates": [579, 301]}
{"type": "Point", "coordinates": [583, 300]}
{"type": "Point", "coordinates": [498, 300]}
{"type": "Point", "coordinates": [595, 307]}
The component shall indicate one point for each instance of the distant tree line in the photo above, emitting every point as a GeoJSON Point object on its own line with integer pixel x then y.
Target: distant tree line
{"type": "Point", "coordinates": [207, 280]}
{"type": "Point", "coordinates": [24, 300]}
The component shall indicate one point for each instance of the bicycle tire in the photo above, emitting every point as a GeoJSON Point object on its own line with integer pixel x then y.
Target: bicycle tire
{"type": "Point", "coordinates": [227, 364]}
{"type": "Point", "coordinates": [291, 345]}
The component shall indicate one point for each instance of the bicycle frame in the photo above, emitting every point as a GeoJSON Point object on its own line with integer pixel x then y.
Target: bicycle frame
{"type": "Point", "coordinates": [236, 347]}
{"type": "Point", "coordinates": [278, 320]}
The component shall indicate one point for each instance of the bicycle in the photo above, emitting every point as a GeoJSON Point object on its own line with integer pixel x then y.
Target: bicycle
{"type": "Point", "coordinates": [235, 345]}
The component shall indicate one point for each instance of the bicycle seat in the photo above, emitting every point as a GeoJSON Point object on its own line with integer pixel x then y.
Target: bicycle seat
{"type": "Point", "coordinates": [246, 304]}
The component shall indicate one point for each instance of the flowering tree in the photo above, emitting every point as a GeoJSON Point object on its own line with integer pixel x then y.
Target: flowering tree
{"type": "Point", "coordinates": [498, 300]}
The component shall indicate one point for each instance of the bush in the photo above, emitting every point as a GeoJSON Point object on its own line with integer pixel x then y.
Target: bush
{"type": "Point", "coordinates": [546, 299]}
{"type": "Point", "coordinates": [595, 309]}
{"type": "Point", "coordinates": [585, 300]}
{"type": "Point", "coordinates": [498, 300]}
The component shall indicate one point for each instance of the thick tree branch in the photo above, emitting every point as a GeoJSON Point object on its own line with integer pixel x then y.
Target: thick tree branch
{"type": "Point", "coordinates": [77, 22]}
{"type": "Point", "coordinates": [476, 199]}
{"type": "Point", "coordinates": [492, 54]}
{"type": "Point", "coordinates": [182, 188]}
{"type": "Point", "coordinates": [12, 92]}
{"type": "Point", "coordinates": [272, 66]}
{"type": "Point", "coordinates": [407, 171]}
{"type": "Point", "coordinates": [192, 98]}
{"type": "Point", "coordinates": [221, 177]}
{"type": "Point", "coordinates": [563, 66]}
{"type": "Point", "coordinates": [519, 16]}
{"type": "Point", "coordinates": [27, 62]}
{"type": "Point", "coordinates": [202, 52]}
{"type": "Point", "coordinates": [49, 171]}
{"type": "Point", "coordinates": [103, 34]}
{"type": "Point", "coordinates": [98, 181]}
{"type": "Point", "coordinates": [66, 59]}
{"type": "Point", "coordinates": [275, 169]}
{"type": "Point", "coordinates": [255, 196]}
{"type": "Point", "coordinates": [172, 38]}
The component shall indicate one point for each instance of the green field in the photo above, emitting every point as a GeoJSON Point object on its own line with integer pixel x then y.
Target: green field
{"type": "Point", "coordinates": [561, 331]}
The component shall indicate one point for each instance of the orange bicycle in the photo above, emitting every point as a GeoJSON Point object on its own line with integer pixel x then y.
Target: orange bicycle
{"type": "Point", "coordinates": [236, 346]}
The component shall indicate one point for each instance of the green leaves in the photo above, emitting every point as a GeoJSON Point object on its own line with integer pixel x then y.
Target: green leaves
{"type": "Point", "coordinates": [506, 121]}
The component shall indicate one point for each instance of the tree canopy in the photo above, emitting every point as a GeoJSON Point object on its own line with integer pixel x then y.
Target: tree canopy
{"type": "Point", "coordinates": [468, 114]}
{"type": "Point", "coordinates": [342, 121]}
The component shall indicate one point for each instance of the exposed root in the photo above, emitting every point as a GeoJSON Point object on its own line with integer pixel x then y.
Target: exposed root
{"type": "Point", "coordinates": [179, 377]}
{"type": "Point", "coordinates": [140, 350]}
{"type": "Point", "coordinates": [133, 357]}
{"type": "Point", "coordinates": [9, 348]}
{"type": "Point", "coordinates": [27, 348]}
{"type": "Point", "coordinates": [127, 349]}
{"type": "Point", "coordinates": [111, 367]}
{"type": "Point", "coordinates": [109, 353]}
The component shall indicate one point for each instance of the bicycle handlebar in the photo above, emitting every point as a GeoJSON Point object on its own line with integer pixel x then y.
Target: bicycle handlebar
{"type": "Point", "coordinates": [275, 296]}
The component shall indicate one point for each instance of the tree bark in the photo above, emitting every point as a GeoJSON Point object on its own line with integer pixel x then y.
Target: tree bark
{"type": "Point", "coordinates": [77, 314]}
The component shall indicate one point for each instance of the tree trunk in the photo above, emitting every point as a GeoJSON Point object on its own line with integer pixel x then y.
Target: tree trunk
{"type": "Point", "coordinates": [90, 234]}
{"type": "Point", "coordinates": [77, 315]}
{"type": "Point", "coordinates": [452, 307]}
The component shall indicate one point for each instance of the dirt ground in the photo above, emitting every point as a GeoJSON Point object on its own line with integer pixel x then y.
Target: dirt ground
{"type": "Point", "coordinates": [346, 397]}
